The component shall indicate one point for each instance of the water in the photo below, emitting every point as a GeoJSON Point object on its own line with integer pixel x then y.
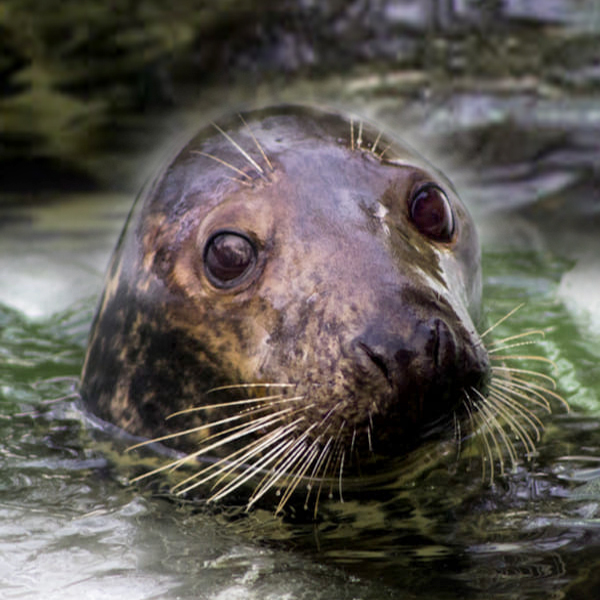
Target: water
{"type": "Point", "coordinates": [519, 135]}
{"type": "Point", "coordinates": [72, 527]}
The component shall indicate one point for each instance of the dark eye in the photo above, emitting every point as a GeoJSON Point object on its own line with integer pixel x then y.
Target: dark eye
{"type": "Point", "coordinates": [228, 257]}
{"type": "Point", "coordinates": [431, 212]}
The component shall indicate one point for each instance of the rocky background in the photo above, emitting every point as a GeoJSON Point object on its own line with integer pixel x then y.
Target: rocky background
{"type": "Point", "coordinates": [87, 87]}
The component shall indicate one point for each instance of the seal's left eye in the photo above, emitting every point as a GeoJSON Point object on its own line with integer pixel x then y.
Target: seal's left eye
{"type": "Point", "coordinates": [228, 258]}
{"type": "Point", "coordinates": [431, 212]}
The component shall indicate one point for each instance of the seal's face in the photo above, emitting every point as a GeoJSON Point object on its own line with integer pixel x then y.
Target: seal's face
{"type": "Point", "coordinates": [326, 272]}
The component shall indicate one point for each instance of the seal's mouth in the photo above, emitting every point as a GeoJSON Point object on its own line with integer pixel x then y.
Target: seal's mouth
{"type": "Point", "coordinates": [264, 432]}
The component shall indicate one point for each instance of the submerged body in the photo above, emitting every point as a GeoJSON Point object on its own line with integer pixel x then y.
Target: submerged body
{"type": "Point", "coordinates": [313, 270]}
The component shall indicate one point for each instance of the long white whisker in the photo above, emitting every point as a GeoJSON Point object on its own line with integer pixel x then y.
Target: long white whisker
{"type": "Point", "coordinates": [308, 455]}
{"type": "Point", "coordinates": [501, 320]}
{"type": "Point", "coordinates": [503, 348]}
{"type": "Point", "coordinates": [518, 391]}
{"type": "Point", "coordinates": [256, 410]}
{"type": "Point", "coordinates": [328, 456]}
{"type": "Point", "coordinates": [247, 430]}
{"type": "Point", "coordinates": [244, 477]}
{"type": "Point", "coordinates": [534, 421]}
{"type": "Point", "coordinates": [223, 162]}
{"type": "Point", "coordinates": [226, 465]}
{"type": "Point", "coordinates": [258, 168]}
{"type": "Point", "coordinates": [530, 387]}
{"type": "Point", "coordinates": [517, 336]}
{"type": "Point", "coordinates": [511, 370]}
{"type": "Point", "coordinates": [374, 148]}
{"type": "Point", "coordinates": [258, 145]}
{"type": "Point", "coordinates": [248, 386]}
{"type": "Point", "coordinates": [484, 409]}
{"type": "Point", "coordinates": [280, 399]}
{"type": "Point", "coordinates": [507, 411]}
{"type": "Point", "coordinates": [268, 482]}
{"type": "Point", "coordinates": [482, 427]}
{"type": "Point", "coordinates": [521, 357]}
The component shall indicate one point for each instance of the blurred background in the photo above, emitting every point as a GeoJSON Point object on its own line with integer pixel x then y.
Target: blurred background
{"type": "Point", "coordinates": [503, 94]}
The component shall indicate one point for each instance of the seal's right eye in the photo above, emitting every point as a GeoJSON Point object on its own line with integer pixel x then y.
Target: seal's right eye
{"type": "Point", "coordinates": [432, 214]}
{"type": "Point", "coordinates": [228, 259]}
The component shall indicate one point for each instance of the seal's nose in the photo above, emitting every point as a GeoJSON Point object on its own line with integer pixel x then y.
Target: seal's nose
{"type": "Point", "coordinates": [427, 370]}
{"type": "Point", "coordinates": [425, 352]}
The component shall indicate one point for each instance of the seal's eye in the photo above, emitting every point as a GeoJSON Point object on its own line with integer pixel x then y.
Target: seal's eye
{"type": "Point", "coordinates": [431, 212]}
{"type": "Point", "coordinates": [228, 257]}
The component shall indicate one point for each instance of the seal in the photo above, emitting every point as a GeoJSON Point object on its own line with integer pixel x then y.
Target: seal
{"type": "Point", "coordinates": [295, 294]}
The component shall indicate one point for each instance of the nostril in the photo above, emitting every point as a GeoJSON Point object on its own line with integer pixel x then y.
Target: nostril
{"type": "Point", "coordinates": [442, 343]}
{"type": "Point", "coordinates": [376, 359]}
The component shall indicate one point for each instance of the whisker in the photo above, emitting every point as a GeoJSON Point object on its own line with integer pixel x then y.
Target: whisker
{"type": "Point", "coordinates": [369, 431]}
{"type": "Point", "coordinates": [535, 357]}
{"type": "Point", "coordinates": [359, 139]}
{"type": "Point", "coordinates": [494, 425]}
{"type": "Point", "coordinates": [457, 435]}
{"type": "Point", "coordinates": [285, 462]}
{"type": "Point", "coordinates": [203, 427]}
{"type": "Point", "coordinates": [540, 392]}
{"type": "Point", "coordinates": [61, 398]}
{"type": "Point", "coordinates": [58, 379]}
{"type": "Point", "coordinates": [501, 320]}
{"type": "Point", "coordinates": [242, 181]}
{"type": "Point", "coordinates": [248, 474]}
{"type": "Point", "coordinates": [486, 431]}
{"type": "Point", "coordinates": [480, 427]}
{"type": "Point", "coordinates": [268, 482]}
{"type": "Point", "coordinates": [223, 162]}
{"type": "Point", "coordinates": [374, 148]}
{"type": "Point", "coordinates": [338, 452]}
{"type": "Point", "coordinates": [254, 426]}
{"type": "Point", "coordinates": [531, 418]}
{"type": "Point", "coordinates": [240, 431]}
{"type": "Point", "coordinates": [353, 441]}
{"type": "Point", "coordinates": [384, 151]}
{"type": "Point", "coordinates": [204, 475]}
{"type": "Point", "coordinates": [258, 145]}
{"type": "Point", "coordinates": [507, 412]}
{"type": "Point", "coordinates": [258, 168]}
{"type": "Point", "coordinates": [265, 486]}
{"type": "Point", "coordinates": [341, 474]}
{"type": "Point", "coordinates": [509, 346]}
{"type": "Point", "coordinates": [274, 399]}
{"type": "Point", "coordinates": [328, 456]}
{"type": "Point", "coordinates": [244, 414]}
{"type": "Point", "coordinates": [517, 390]}
{"type": "Point", "coordinates": [325, 449]}
{"type": "Point", "coordinates": [510, 396]}
{"type": "Point", "coordinates": [310, 454]}
{"type": "Point", "coordinates": [517, 336]}
{"type": "Point", "coordinates": [496, 369]}
{"type": "Point", "coordinates": [241, 478]}
{"type": "Point", "coordinates": [222, 466]}
{"type": "Point", "coordinates": [272, 477]}
{"type": "Point", "coordinates": [245, 386]}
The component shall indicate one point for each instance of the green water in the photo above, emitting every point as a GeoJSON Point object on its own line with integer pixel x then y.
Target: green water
{"type": "Point", "coordinates": [71, 526]}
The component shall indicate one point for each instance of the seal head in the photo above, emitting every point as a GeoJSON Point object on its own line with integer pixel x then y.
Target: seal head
{"type": "Point", "coordinates": [315, 268]}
